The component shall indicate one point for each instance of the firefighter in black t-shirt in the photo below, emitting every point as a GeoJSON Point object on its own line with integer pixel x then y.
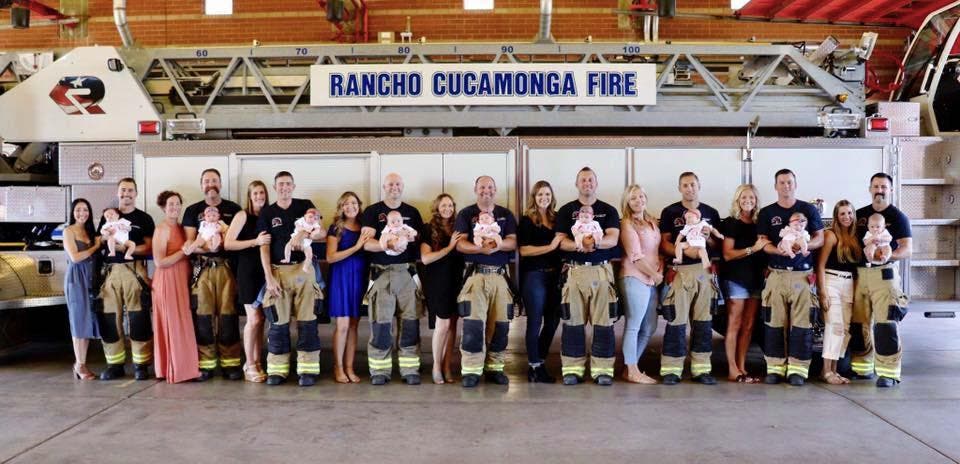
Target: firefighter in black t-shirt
{"type": "Point", "coordinates": [291, 292]}
{"type": "Point", "coordinates": [788, 301]}
{"type": "Point", "coordinates": [123, 290]}
{"type": "Point", "coordinates": [393, 292]}
{"type": "Point", "coordinates": [691, 298]}
{"type": "Point", "coordinates": [588, 294]}
{"type": "Point", "coordinates": [879, 303]}
{"type": "Point", "coordinates": [213, 290]}
{"type": "Point", "coordinates": [486, 301]}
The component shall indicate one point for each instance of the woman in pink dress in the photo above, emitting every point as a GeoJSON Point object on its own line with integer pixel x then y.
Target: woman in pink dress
{"type": "Point", "coordinates": [175, 345]}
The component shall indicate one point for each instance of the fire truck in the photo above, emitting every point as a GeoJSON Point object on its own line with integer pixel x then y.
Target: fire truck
{"type": "Point", "coordinates": [732, 112]}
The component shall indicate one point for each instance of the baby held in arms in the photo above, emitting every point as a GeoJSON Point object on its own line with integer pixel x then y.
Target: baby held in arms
{"type": "Point", "coordinates": [209, 233]}
{"type": "Point", "coordinates": [116, 232]}
{"type": "Point", "coordinates": [695, 232]}
{"type": "Point", "coordinates": [795, 233]}
{"type": "Point", "coordinates": [877, 241]}
{"type": "Point", "coordinates": [396, 235]}
{"type": "Point", "coordinates": [486, 231]}
{"type": "Point", "coordinates": [302, 228]}
{"type": "Point", "coordinates": [586, 228]}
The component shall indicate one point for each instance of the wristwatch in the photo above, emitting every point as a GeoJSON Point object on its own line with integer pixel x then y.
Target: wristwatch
{"type": "Point", "coordinates": [749, 251]}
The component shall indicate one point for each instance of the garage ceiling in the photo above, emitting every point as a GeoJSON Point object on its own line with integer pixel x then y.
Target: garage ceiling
{"type": "Point", "coordinates": [908, 13]}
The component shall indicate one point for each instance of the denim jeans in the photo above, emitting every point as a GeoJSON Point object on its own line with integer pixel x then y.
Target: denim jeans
{"type": "Point", "coordinates": [640, 307]}
{"type": "Point", "coordinates": [541, 300]}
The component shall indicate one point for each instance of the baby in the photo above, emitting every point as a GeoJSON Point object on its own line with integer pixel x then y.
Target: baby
{"type": "Point", "coordinates": [694, 232]}
{"type": "Point", "coordinates": [302, 228]}
{"type": "Point", "coordinates": [795, 233]}
{"type": "Point", "coordinates": [397, 232]}
{"type": "Point", "coordinates": [877, 241]}
{"type": "Point", "coordinates": [116, 232]}
{"type": "Point", "coordinates": [485, 229]}
{"type": "Point", "coordinates": [586, 227]}
{"type": "Point", "coordinates": [210, 233]}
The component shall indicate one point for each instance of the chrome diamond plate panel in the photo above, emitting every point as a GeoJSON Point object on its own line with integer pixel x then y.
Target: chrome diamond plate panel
{"type": "Point", "coordinates": [95, 163]}
{"type": "Point", "coordinates": [33, 204]}
{"type": "Point", "coordinates": [932, 283]}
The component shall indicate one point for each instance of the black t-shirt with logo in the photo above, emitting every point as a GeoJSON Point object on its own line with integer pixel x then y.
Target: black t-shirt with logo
{"type": "Point", "coordinates": [467, 218]}
{"type": "Point", "coordinates": [604, 214]}
{"type": "Point", "coordinates": [279, 223]}
{"type": "Point", "coordinates": [773, 218]}
{"type": "Point", "coordinates": [672, 222]}
{"type": "Point", "coordinates": [193, 216]}
{"type": "Point", "coordinates": [375, 217]}
{"type": "Point", "coordinates": [141, 227]}
{"type": "Point", "coordinates": [896, 222]}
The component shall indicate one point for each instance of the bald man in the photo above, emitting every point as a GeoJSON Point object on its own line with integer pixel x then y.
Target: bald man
{"type": "Point", "coordinates": [393, 292]}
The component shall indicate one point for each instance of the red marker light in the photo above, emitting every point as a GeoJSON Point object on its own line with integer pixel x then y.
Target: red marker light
{"type": "Point", "coordinates": [149, 127]}
{"type": "Point", "coordinates": [879, 124]}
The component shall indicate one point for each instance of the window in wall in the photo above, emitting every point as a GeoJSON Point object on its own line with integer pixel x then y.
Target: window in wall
{"type": "Point", "coordinates": [477, 4]}
{"type": "Point", "coordinates": [217, 7]}
{"type": "Point", "coordinates": [737, 4]}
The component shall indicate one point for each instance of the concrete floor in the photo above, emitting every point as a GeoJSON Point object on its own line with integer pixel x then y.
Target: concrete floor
{"type": "Point", "coordinates": [46, 416]}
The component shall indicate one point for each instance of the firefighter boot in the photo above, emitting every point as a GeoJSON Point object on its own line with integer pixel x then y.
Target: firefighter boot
{"type": "Point", "coordinates": [141, 372]}
{"type": "Point", "coordinates": [113, 371]}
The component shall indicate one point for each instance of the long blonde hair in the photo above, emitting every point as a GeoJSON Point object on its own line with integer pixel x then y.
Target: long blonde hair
{"type": "Point", "coordinates": [340, 218]}
{"type": "Point", "coordinates": [848, 247]}
{"type": "Point", "coordinates": [627, 213]}
{"type": "Point", "coordinates": [735, 205]}
{"type": "Point", "coordinates": [533, 212]}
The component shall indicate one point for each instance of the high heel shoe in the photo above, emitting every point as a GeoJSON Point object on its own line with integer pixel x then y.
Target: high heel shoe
{"type": "Point", "coordinates": [80, 372]}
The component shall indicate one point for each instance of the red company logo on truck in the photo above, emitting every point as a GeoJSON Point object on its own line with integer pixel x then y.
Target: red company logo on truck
{"type": "Point", "coordinates": [79, 95]}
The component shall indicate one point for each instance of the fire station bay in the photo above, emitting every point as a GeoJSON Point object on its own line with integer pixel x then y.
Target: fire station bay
{"type": "Point", "coordinates": [479, 231]}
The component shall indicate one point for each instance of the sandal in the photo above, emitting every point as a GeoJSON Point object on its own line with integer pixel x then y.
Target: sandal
{"type": "Point", "coordinates": [744, 378]}
{"type": "Point", "coordinates": [253, 374]}
{"type": "Point", "coordinates": [833, 378]}
{"type": "Point", "coordinates": [438, 378]}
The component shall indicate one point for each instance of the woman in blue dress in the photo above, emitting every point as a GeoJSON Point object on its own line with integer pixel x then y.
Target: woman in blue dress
{"type": "Point", "coordinates": [80, 242]}
{"type": "Point", "coordinates": [348, 278]}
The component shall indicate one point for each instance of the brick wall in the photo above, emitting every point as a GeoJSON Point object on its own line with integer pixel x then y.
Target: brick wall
{"type": "Point", "coordinates": [157, 23]}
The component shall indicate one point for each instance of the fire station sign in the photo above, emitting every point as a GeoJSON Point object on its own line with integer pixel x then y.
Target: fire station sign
{"type": "Point", "coordinates": [507, 84]}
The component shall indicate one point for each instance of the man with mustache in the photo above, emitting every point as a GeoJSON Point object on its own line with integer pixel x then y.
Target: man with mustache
{"type": "Point", "coordinates": [122, 290]}
{"type": "Point", "coordinates": [213, 290]}
{"type": "Point", "coordinates": [879, 303]}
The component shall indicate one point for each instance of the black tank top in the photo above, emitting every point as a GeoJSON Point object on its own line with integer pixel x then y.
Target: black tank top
{"type": "Point", "coordinates": [249, 232]}
{"type": "Point", "coordinates": [833, 262]}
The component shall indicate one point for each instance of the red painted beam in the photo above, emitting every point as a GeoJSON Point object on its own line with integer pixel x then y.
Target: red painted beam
{"type": "Point", "coordinates": [780, 7]}
{"type": "Point", "coordinates": [43, 11]}
{"type": "Point", "coordinates": [818, 10]}
{"type": "Point", "coordinates": [884, 10]}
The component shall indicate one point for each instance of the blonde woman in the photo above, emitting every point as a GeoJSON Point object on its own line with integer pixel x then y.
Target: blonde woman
{"type": "Point", "coordinates": [640, 273]}
{"type": "Point", "coordinates": [442, 276]}
{"type": "Point", "coordinates": [539, 274]}
{"type": "Point", "coordinates": [836, 270]}
{"type": "Point", "coordinates": [348, 283]}
{"type": "Point", "coordinates": [742, 278]}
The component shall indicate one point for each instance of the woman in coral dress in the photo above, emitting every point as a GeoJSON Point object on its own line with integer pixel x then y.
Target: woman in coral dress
{"type": "Point", "coordinates": [175, 344]}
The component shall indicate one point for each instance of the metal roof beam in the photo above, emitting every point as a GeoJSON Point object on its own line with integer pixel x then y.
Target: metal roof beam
{"type": "Point", "coordinates": [777, 9]}
{"type": "Point", "coordinates": [884, 10]}
{"type": "Point", "coordinates": [825, 6]}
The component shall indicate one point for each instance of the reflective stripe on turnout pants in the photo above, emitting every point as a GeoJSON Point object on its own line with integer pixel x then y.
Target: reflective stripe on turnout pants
{"type": "Point", "coordinates": [217, 323]}
{"type": "Point", "coordinates": [588, 296]}
{"type": "Point", "coordinates": [878, 306]}
{"type": "Point", "coordinates": [484, 303]}
{"type": "Point", "coordinates": [394, 295]}
{"type": "Point", "coordinates": [788, 306]}
{"type": "Point", "coordinates": [121, 291]}
{"type": "Point", "coordinates": [297, 299]}
{"type": "Point", "coordinates": [690, 297]}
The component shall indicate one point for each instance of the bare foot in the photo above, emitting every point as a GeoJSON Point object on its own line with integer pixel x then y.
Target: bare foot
{"type": "Point", "coordinates": [353, 376]}
{"type": "Point", "coordinates": [339, 376]}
